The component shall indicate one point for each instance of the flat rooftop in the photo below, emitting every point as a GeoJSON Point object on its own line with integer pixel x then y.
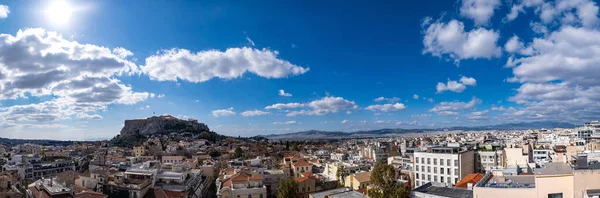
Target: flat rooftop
{"type": "Point", "coordinates": [444, 191]}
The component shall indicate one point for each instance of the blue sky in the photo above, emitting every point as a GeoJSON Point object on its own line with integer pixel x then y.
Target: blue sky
{"type": "Point", "coordinates": [431, 64]}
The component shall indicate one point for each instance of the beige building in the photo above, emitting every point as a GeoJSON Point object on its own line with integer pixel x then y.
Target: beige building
{"type": "Point", "coordinates": [139, 151]}
{"type": "Point", "coordinates": [306, 185]}
{"type": "Point", "coordinates": [300, 167]}
{"type": "Point", "coordinates": [241, 184]}
{"type": "Point", "coordinates": [173, 159]}
{"type": "Point", "coordinates": [358, 180]}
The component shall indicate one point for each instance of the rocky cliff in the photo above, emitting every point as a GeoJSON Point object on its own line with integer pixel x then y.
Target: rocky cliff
{"type": "Point", "coordinates": [161, 125]}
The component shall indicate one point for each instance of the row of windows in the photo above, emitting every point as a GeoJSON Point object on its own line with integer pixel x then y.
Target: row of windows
{"type": "Point", "coordinates": [435, 170]}
{"type": "Point", "coordinates": [435, 161]}
{"type": "Point", "coordinates": [427, 178]}
{"type": "Point", "coordinates": [418, 183]}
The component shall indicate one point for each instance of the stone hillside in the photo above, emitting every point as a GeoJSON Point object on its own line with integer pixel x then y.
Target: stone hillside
{"type": "Point", "coordinates": [161, 125]}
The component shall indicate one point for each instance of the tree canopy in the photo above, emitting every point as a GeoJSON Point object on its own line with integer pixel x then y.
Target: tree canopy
{"type": "Point", "coordinates": [383, 178]}
{"type": "Point", "coordinates": [288, 188]}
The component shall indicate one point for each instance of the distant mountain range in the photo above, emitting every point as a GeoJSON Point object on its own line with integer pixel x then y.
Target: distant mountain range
{"type": "Point", "coordinates": [316, 134]}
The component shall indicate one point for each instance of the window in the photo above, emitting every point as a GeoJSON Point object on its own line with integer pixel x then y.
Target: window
{"type": "Point", "coordinates": [448, 172]}
{"type": "Point", "coordinates": [428, 177]}
{"type": "Point", "coordinates": [449, 179]}
{"type": "Point", "coordinates": [441, 170]}
{"type": "Point", "coordinates": [456, 180]}
{"type": "Point", "coordinates": [417, 175]}
{"type": "Point", "coordinates": [448, 162]}
{"type": "Point", "coordinates": [434, 161]}
{"type": "Point", "coordinates": [423, 168]}
{"type": "Point", "coordinates": [456, 171]}
{"type": "Point", "coordinates": [418, 183]}
{"type": "Point", "coordinates": [429, 169]}
{"type": "Point", "coordinates": [435, 178]}
{"type": "Point", "coordinates": [428, 160]}
{"type": "Point", "coordinates": [416, 159]}
{"type": "Point", "coordinates": [455, 162]}
{"type": "Point", "coordinates": [308, 188]}
{"type": "Point", "coordinates": [416, 168]}
{"type": "Point", "coordinates": [422, 161]}
{"type": "Point", "coordinates": [442, 179]}
{"type": "Point", "coordinates": [434, 169]}
{"type": "Point", "coordinates": [555, 195]}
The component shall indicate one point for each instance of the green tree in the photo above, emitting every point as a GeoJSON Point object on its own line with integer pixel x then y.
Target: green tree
{"type": "Point", "coordinates": [288, 188]}
{"type": "Point", "coordinates": [238, 152]}
{"type": "Point", "coordinates": [383, 178]}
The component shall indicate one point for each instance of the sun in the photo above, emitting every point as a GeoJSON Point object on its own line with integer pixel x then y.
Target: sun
{"type": "Point", "coordinates": [59, 12]}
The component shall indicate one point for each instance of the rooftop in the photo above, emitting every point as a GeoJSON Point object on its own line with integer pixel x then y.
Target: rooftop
{"type": "Point", "coordinates": [338, 193]}
{"type": "Point", "coordinates": [430, 189]}
{"type": "Point", "coordinates": [554, 168]}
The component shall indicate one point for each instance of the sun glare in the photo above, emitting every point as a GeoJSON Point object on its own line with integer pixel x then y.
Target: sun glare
{"type": "Point", "coordinates": [59, 12]}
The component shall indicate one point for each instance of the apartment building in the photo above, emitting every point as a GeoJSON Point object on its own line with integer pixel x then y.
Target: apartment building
{"type": "Point", "coordinates": [442, 165]}
{"type": "Point", "coordinates": [487, 160]}
{"type": "Point", "coordinates": [555, 180]}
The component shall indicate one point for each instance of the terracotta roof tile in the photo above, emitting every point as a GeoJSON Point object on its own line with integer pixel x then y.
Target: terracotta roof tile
{"type": "Point", "coordinates": [470, 178]}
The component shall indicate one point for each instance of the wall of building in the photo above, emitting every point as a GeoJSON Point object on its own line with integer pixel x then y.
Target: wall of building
{"type": "Point", "coordinates": [585, 180]}
{"type": "Point", "coordinates": [554, 184]}
{"type": "Point", "coordinates": [467, 165]}
{"type": "Point", "coordinates": [483, 192]}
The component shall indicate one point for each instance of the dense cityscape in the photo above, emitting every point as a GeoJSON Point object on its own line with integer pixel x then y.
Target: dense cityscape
{"type": "Point", "coordinates": [164, 156]}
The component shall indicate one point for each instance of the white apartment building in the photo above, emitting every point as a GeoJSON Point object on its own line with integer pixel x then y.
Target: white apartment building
{"type": "Point", "coordinates": [442, 165]}
{"type": "Point", "coordinates": [541, 157]}
{"type": "Point", "coordinates": [488, 160]}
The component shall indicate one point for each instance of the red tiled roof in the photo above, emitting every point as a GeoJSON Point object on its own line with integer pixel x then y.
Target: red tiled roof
{"type": "Point", "coordinates": [301, 163]}
{"type": "Point", "coordinates": [302, 179]}
{"type": "Point", "coordinates": [470, 178]}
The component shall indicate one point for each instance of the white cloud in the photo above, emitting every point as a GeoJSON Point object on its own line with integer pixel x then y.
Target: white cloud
{"type": "Point", "coordinates": [480, 11]}
{"type": "Point", "coordinates": [455, 86]}
{"type": "Point", "coordinates": [326, 105]}
{"type": "Point", "coordinates": [415, 96]}
{"type": "Point", "coordinates": [344, 121]}
{"type": "Point", "coordinates": [430, 99]}
{"type": "Point", "coordinates": [478, 115]}
{"type": "Point", "coordinates": [254, 113]}
{"type": "Point", "coordinates": [468, 81]}
{"type": "Point", "coordinates": [282, 93]}
{"type": "Point", "coordinates": [386, 107]}
{"type": "Point", "coordinates": [161, 96]}
{"type": "Point", "coordinates": [450, 108]}
{"type": "Point", "coordinates": [285, 106]}
{"type": "Point", "coordinates": [4, 11]}
{"type": "Point", "coordinates": [80, 78]}
{"type": "Point", "coordinates": [223, 112]}
{"type": "Point", "coordinates": [122, 52]}
{"type": "Point", "coordinates": [421, 116]}
{"type": "Point", "coordinates": [286, 122]}
{"type": "Point", "coordinates": [514, 45]}
{"type": "Point", "coordinates": [451, 39]}
{"type": "Point", "coordinates": [450, 86]}
{"type": "Point", "coordinates": [250, 41]}
{"type": "Point", "coordinates": [390, 100]}
{"type": "Point", "coordinates": [501, 108]}
{"type": "Point", "coordinates": [174, 64]}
